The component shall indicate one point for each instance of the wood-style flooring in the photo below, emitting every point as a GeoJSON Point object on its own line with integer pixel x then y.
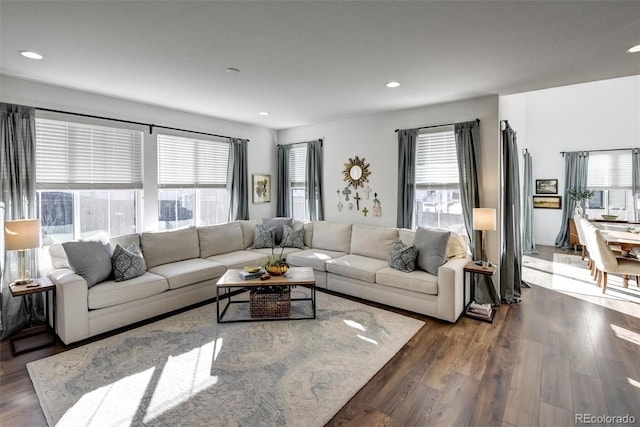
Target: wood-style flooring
{"type": "Point", "coordinates": [541, 363]}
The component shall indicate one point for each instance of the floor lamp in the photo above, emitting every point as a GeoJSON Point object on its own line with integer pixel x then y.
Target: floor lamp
{"type": "Point", "coordinates": [484, 219]}
{"type": "Point", "coordinates": [22, 235]}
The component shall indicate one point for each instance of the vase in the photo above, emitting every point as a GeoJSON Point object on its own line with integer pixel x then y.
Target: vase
{"type": "Point", "coordinates": [277, 269]}
{"type": "Point", "coordinates": [578, 209]}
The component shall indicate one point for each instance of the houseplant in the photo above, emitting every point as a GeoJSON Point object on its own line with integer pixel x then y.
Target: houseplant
{"type": "Point", "coordinates": [578, 196]}
{"type": "Point", "coordinates": [272, 301]}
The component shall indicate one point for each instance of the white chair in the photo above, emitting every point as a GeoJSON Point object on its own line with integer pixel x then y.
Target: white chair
{"type": "Point", "coordinates": [577, 220]}
{"type": "Point", "coordinates": [606, 261]}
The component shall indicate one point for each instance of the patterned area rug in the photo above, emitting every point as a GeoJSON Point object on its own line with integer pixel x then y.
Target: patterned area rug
{"type": "Point", "coordinates": [189, 370]}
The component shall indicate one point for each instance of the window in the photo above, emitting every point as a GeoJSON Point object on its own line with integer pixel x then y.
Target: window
{"type": "Point", "coordinates": [192, 177]}
{"type": "Point", "coordinates": [297, 172]}
{"type": "Point", "coordinates": [438, 201]}
{"type": "Point", "coordinates": [609, 173]}
{"type": "Point", "coordinates": [88, 179]}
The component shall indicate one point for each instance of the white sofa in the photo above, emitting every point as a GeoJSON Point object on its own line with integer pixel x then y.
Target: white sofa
{"type": "Point", "coordinates": [184, 265]}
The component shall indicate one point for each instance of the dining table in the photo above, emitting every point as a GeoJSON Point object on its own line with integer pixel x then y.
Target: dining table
{"type": "Point", "coordinates": [626, 241]}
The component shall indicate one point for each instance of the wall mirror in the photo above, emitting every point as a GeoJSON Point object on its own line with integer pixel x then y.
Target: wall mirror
{"type": "Point", "coordinates": [356, 172]}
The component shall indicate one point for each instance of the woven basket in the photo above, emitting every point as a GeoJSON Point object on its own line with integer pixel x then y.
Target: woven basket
{"type": "Point", "coordinates": [269, 305]}
{"type": "Point", "coordinates": [277, 269]}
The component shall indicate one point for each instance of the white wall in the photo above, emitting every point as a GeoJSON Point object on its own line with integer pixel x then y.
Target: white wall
{"type": "Point", "coordinates": [261, 152]}
{"type": "Point", "coordinates": [590, 116]}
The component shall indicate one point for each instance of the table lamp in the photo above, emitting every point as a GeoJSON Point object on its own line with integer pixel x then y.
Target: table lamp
{"type": "Point", "coordinates": [484, 219]}
{"type": "Point", "coordinates": [22, 235]}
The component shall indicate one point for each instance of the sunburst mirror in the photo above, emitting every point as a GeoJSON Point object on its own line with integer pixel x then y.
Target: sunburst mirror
{"type": "Point", "coordinates": [356, 172]}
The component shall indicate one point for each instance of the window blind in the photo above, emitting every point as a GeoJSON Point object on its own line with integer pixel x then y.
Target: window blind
{"type": "Point", "coordinates": [298, 165]}
{"type": "Point", "coordinates": [192, 163]}
{"type": "Point", "coordinates": [609, 169]}
{"type": "Point", "coordinates": [80, 156]}
{"type": "Point", "coordinates": [436, 158]}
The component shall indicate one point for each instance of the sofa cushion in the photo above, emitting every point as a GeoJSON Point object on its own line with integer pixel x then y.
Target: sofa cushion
{"type": "Point", "coordinates": [263, 237]}
{"type": "Point", "coordinates": [457, 246]}
{"type": "Point", "coordinates": [90, 260]}
{"type": "Point", "coordinates": [58, 256]}
{"type": "Point", "coordinates": [314, 258]}
{"type": "Point", "coordinates": [374, 242]}
{"type": "Point", "coordinates": [331, 236]}
{"type": "Point", "coordinates": [248, 231]}
{"type": "Point", "coordinates": [189, 271]}
{"type": "Point", "coordinates": [125, 240]}
{"type": "Point", "coordinates": [163, 247]}
{"type": "Point", "coordinates": [276, 252]}
{"type": "Point", "coordinates": [417, 281]}
{"type": "Point", "coordinates": [403, 257]}
{"type": "Point", "coordinates": [127, 263]}
{"type": "Point", "coordinates": [292, 237]}
{"type": "Point", "coordinates": [277, 224]}
{"type": "Point", "coordinates": [432, 248]}
{"type": "Point", "coordinates": [109, 293]}
{"type": "Point", "coordinates": [356, 267]}
{"type": "Point", "coordinates": [308, 230]}
{"type": "Point", "coordinates": [220, 239]}
{"type": "Point", "coordinates": [238, 259]}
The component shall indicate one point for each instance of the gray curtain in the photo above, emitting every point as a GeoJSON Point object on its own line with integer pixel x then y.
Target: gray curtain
{"type": "Point", "coordinates": [18, 186]}
{"type": "Point", "coordinates": [511, 253]}
{"type": "Point", "coordinates": [575, 177]}
{"type": "Point", "coordinates": [406, 176]}
{"type": "Point", "coordinates": [313, 181]}
{"type": "Point", "coordinates": [635, 171]}
{"type": "Point", "coordinates": [528, 239]}
{"type": "Point", "coordinates": [237, 180]}
{"type": "Point", "coordinates": [467, 142]}
{"type": "Point", "coordinates": [283, 202]}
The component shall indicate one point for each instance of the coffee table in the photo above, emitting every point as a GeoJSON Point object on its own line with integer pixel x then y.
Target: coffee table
{"type": "Point", "coordinates": [295, 276]}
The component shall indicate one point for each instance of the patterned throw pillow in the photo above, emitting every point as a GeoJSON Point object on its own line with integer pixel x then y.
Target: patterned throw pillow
{"type": "Point", "coordinates": [292, 238]}
{"type": "Point", "coordinates": [403, 257]}
{"type": "Point", "coordinates": [263, 237]}
{"type": "Point", "coordinates": [127, 263]}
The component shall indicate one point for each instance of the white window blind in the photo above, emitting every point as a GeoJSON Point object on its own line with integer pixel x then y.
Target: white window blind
{"type": "Point", "coordinates": [80, 156]}
{"type": "Point", "coordinates": [609, 169]}
{"type": "Point", "coordinates": [192, 163]}
{"type": "Point", "coordinates": [436, 158]}
{"type": "Point", "coordinates": [298, 165]}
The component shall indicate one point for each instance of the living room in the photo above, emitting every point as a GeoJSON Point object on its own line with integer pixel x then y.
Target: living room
{"type": "Point", "coordinates": [578, 112]}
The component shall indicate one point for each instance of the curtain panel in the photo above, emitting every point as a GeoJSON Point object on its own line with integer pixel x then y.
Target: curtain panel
{"type": "Point", "coordinates": [635, 172]}
{"type": "Point", "coordinates": [237, 180]}
{"type": "Point", "coordinates": [575, 177]}
{"type": "Point", "coordinates": [313, 181]}
{"type": "Point", "coordinates": [407, 143]}
{"type": "Point", "coordinates": [283, 203]}
{"type": "Point", "coordinates": [528, 240]}
{"type": "Point", "coordinates": [18, 187]}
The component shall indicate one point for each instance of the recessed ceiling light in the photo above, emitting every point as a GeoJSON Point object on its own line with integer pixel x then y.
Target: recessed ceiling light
{"type": "Point", "coordinates": [634, 49]}
{"type": "Point", "coordinates": [232, 70]}
{"type": "Point", "coordinates": [393, 84]}
{"type": "Point", "coordinates": [30, 55]}
{"type": "Point", "coordinates": [263, 113]}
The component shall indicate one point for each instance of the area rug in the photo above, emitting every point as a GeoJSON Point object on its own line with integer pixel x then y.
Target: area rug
{"type": "Point", "coordinates": [189, 370]}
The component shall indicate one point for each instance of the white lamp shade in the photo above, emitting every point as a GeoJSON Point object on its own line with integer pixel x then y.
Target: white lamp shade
{"type": "Point", "coordinates": [22, 234]}
{"type": "Point", "coordinates": [484, 219]}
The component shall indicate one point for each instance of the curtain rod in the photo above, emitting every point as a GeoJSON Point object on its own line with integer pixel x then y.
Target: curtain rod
{"type": "Point", "coordinates": [439, 126]}
{"type": "Point", "coordinates": [304, 142]}
{"type": "Point", "coordinates": [595, 151]}
{"type": "Point", "coordinates": [131, 122]}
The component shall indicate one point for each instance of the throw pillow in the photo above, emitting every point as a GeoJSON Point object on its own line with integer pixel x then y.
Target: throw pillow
{"type": "Point", "coordinates": [403, 257]}
{"type": "Point", "coordinates": [90, 260]}
{"type": "Point", "coordinates": [292, 238]}
{"type": "Point", "coordinates": [263, 237]}
{"type": "Point", "coordinates": [277, 224]}
{"type": "Point", "coordinates": [127, 263]}
{"type": "Point", "coordinates": [432, 248]}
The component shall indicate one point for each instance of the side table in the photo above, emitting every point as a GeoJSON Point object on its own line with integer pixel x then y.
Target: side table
{"type": "Point", "coordinates": [473, 269]}
{"type": "Point", "coordinates": [47, 287]}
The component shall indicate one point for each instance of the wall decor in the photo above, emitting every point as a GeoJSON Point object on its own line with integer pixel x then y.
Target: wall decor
{"type": "Point", "coordinates": [340, 206]}
{"type": "Point", "coordinates": [377, 207]}
{"type": "Point", "coordinates": [356, 172]}
{"type": "Point", "coordinates": [357, 199]}
{"type": "Point", "coordinates": [365, 211]}
{"type": "Point", "coordinates": [546, 186]}
{"type": "Point", "coordinates": [346, 193]}
{"type": "Point", "coordinates": [367, 191]}
{"type": "Point", "coordinates": [261, 185]}
{"type": "Point", "coordinates": [547, 202]}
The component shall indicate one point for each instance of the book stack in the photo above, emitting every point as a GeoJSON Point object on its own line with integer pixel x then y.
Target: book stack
{"type": "Point", "coordinates": [480, 311]}
{"type": "Point", "coordinates": [246, 275]}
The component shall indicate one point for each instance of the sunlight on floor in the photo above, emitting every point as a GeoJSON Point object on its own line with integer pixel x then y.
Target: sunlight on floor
{"type": "Point", "coordinates": [634, 383]}
{"type": "Point", "coordinates": [355, 325]}
{"type": "Point", "coordinates": [367, 339]}
{"type": "Point", "coordinates": [626, 334]}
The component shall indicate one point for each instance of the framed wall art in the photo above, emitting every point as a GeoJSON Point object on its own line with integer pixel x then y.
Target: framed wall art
{"type": "Point", "coordinates": [546, 186]}
{"type": "Point", "coordinates": [261, 185]}
{"type": "Point", "coordinates": [547, 202]}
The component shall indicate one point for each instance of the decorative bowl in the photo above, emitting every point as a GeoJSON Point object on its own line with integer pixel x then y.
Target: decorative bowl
{"type": "Point", "coordinates": [252, 268]}
{"type": "Point", "coordinates": [609, 217]}
{"type": "Point", "coordinates": [277, 269]}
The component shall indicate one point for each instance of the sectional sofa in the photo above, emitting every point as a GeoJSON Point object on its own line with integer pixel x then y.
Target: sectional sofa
{"type": "Point", "coordinates": [182, 267]}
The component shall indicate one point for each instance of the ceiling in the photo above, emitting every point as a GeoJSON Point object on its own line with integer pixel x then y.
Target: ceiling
{"type": "Point", "coordinates": [308, 62]}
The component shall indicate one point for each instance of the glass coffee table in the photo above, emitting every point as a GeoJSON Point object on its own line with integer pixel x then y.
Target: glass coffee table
{"type": "Point", "coordinates": [231, 282]}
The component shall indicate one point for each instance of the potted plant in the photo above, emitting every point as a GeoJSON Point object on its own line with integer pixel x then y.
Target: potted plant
{"type": "Point", "coordinates": [578, 196]}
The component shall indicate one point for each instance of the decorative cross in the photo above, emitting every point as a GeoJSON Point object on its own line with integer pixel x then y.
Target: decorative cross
{"type": "Point", "coordinates": [340, 205]}
{"type": "Point", "coordinates": [357, 199]}
{"type": "Point", "coordinates": [350, 206]}
{"type": "Point", "coordinates": [346, 193]}
{"type": "Point", "coordinates": [366, 190]}
{"type": "Point", "coordinates": [338, 193]}
{"type": "Point", "coordinates": [365, 211]}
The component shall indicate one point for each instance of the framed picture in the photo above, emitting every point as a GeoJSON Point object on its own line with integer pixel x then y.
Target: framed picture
{"type": "Point", "coordinates": [261, 185]}
{"type": "Point", "coordinates": [546, 186]}
{"type": "Point", "coordinates": [547, 202]}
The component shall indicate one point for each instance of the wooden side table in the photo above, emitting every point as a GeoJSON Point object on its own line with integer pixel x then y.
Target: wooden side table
{"type": "Point", "coordinates": [46, 286]}
{"type": "Point", "coordinates": [473, 269]}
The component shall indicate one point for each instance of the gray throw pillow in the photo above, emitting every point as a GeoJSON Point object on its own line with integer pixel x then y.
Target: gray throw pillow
{"type": "Point", "coordinates": [277, 224]}
{"type": "Point", "coordinates": [432, 248]}
{"type": "Point", "coordinates": [292, 238]}
{"type": "Point", "coordinates": [90, 260]}
{"type": "Point", "coordinates": [263, 237]}
{"type": "Point", "coordinates": [403, 257]}
{"type": "Point", "coordinates": [127, 263]}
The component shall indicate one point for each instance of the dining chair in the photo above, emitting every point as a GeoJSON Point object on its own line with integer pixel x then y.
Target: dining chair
{"type": "Point", "coordinates": [582, 239]}
{"type": "Point", "coordinates": [606, 261]}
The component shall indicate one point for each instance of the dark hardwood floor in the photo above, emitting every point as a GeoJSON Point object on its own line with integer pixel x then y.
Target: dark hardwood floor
{"type": "Point", "coordinates": [540, 363]}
